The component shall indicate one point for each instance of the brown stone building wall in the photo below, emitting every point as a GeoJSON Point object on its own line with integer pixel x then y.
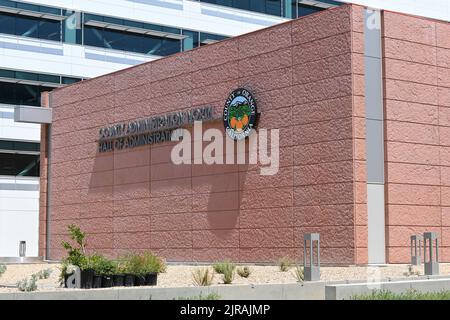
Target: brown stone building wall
{"type": "Point", "coordinates": [308, 78]}
{"type": "Point", "coordinates": [359, 134]}
{"type": "Point", "coordinates": [139, 200]}
{"type": "Point", "coordinates": [417, 133]}
{"type": "Point", "coordinates": [43, 192]}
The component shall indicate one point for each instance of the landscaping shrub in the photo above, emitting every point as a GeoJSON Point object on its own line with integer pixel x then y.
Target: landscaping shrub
{"type": "Point", "coordinates": [243, 272]}
{"type": "Point", "coordinates": [408, 295]}
{"type": "Point", "coordinates": [100, 264]}
{"type": "Point", "coordinates": [411, 272]}
{"type": "Point", "coordinates": [121, 266]}
{"type": "Point", "coordinates": [284, 264]}
{"type": "Point", "coordinates": [133, 269]}
{"type": "Point", "coordinates": [76, 253]}
{"type": "Point", "coordinates": [153, 263]}
{"type": "Point", "coordinates": [203, 277]}
{"type": "Point", "coordinates": [210, 296]}
{"type": "Point", "coordinates": [28, 284]}
{"type": "Point", "coordinates": [299, 273]}
{"type": "Point", "coordinates": [2, 269]}
{"type": "Point", "coordinates": [228, 273]}
{"type": "Point", "coordinates": [44, 274]}
{"type": "Point", "coordinates": [143, 264]}
{"type": "Point", "coordinates": [221, 266]}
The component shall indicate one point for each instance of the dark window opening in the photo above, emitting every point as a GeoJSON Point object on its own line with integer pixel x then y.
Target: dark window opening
{"type": "Point", "coordinates": [22, 165]}
{"type": "Point", "coordinates": [30, 7]}
{"type": "Point", "coordinates": [25, 26]}
{"type": "Point", "coordinates": [127, 41]}
{"type": "Point", "coordinates": [21, 94]}
{"type": "Point", "coordinates": [273, 7]}
{"type": "Point", "coordinates": [19, 146]}
{"type": "Point", "coordinates": [304, 10]}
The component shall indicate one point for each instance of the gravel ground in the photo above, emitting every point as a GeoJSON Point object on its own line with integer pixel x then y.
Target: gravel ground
{"type": "Point", "coordinates": [181, 276]}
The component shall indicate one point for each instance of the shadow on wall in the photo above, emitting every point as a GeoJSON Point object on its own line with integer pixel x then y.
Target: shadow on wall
{"type": "Point", "coordinates": [143, 184]}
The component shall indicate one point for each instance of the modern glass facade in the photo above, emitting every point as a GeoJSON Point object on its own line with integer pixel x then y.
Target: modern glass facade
{"type": "Point", "coordinates": [32, 27]}
{"type": "Point", "coordinates": [19, 165]}
{"type": "Point", "coordinates": [282, 8]}
{"type": "Point", "coordinates": [128, 41]}
{"type": "Point", "coordinates": [19, 158]}
{"type": "Point", "coordinates": [25, 88]}
{"type": "Point", "coordinates": [96, 30]}
{"type": "Point", "coordinates": [62, 25]}
{"type": "Point", "coordinates": [273, 7]}
{"type": "Point", "coordinates": [139, 37]}
{"type": "Point", "coordinates": [21, 94]}
{"type": "Point", "coordinates": [30, 7]}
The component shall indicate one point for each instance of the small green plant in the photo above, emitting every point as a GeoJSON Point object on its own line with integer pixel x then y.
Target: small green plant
{"type": "Point", "coordinates": [79, 237]}
{"type": "Point", "coordinates": [408, 295]}
{"type": "Point", "coordinates": [121, 267]}
{"type": "Point", "coordinates": [210, 296]}
{"type": "Point", "coordinates": [411, 272]}
{"type": "Point", "coordinates": [76, 254]}
{"type": "Point", "coordinates": [76, 251]}
{"type": "Point", "coordinates": [228, 273]}
{"type": "Point", "coordinates": [2, 269]}
{"type": "Point", "coordinates": [299, 273]}
{"type": "Point", "coordinates": [142, 264]}
{"type": "Point", "coordinates": [284, 264]}
{"type": "Point", "coordinates": [44, 274]}
{"type": "Point", "coordinates": [63, 271]}
{"type": "Point", "coordinates": [28, 284]}
{"type": "Point", "coordinates": [221, 266]}
{"type": "Point", "coordinates": [153, 263]}
{"type": "Point", "coordinates": [202, 277]}
{"type": "Point", "coordinates": [243, 272]}
{"type": "Point", "coordinates": [100, 264]}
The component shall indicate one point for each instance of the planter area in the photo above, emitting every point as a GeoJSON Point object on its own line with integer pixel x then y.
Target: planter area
{"type": "Point", "coordinates": [97, 271]}
{"type": "Point", "coordinates": [91, 280]}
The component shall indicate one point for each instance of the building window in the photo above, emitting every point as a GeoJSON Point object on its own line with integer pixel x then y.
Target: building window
{"type": "Point", "coordinates": [69, 80]}
{"type": "Point", "coordinates": [207, 38]}
{"type": "Point", "coordinates": [8, 145]}
{"type": "Point", "coordinates": [72, 27]}
{"type": "Point", "coordinates": [21, 94]}
{"type": "Point", "coordinates": [192, 40]}
{"type": "Point", "coordinates": [19, 165]}
{"type": "Point", "coordinates": [304, 10]}
{"type": "Point", "coordinates": [24, 26]}
{"type": "Point", "coordinates": [306, 7]}
{"type": "Point", "coordinates": [19, 158]}
{"type": "Point", "coordinates": [132, 42]}
{"type": "Point", "coordinates": [272, 7]}
{"type": "Point", "coordinates": [30, 7]}
{"type": "Point", "coordinates": [12, 91]}
{"type": "Point", "coordinates": [68, 26]}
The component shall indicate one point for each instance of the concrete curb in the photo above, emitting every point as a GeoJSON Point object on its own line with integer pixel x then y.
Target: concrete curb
{"type": "Point", "coordinates": [346, 291]}
{"type": "Point", "coordinates": [316, 290]}
{"type": "Point", "coordinates": [292, 291]}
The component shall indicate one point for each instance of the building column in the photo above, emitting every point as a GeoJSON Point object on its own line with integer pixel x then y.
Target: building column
{"type": "Point", "coordinates": [374, 136]}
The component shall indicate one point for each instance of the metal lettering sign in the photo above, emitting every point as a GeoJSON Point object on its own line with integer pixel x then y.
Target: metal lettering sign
{"type": "Point", "coordinates": [150, 130]}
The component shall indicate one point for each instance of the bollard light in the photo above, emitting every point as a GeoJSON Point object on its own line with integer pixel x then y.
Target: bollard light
{"type": "Point", "coordinates": [416, 249]}
{"type": "Point", "coordinates": [430, 253]}
{"type": "Point", "coordinates": [22, 248]}
{"type": "Point", "coordinates": [311, 269]}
